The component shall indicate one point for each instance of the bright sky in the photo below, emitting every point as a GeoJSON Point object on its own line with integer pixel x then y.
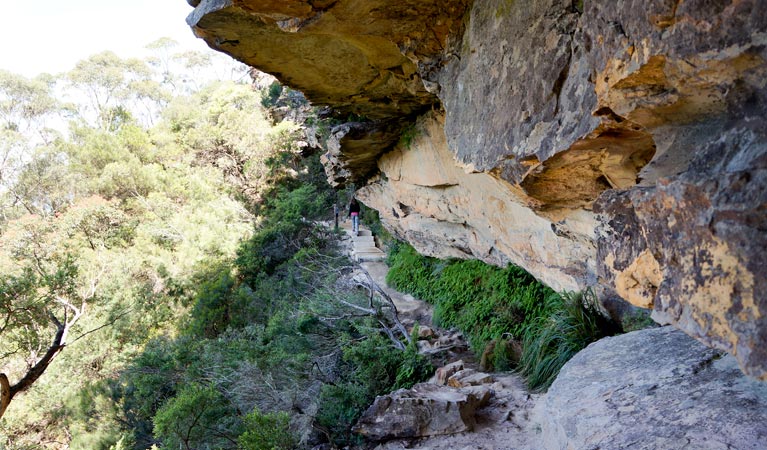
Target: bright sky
{"type": "Point", "coordinates": [50, 36]}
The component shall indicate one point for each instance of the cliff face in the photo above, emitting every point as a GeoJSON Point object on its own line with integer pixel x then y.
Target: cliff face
{"type": "Point", "coordinates": [621, 145]}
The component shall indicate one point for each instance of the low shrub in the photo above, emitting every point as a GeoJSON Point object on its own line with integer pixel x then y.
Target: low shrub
{"type": "Point", "coordinates": [197, 415]}
{"type": "Point", "coordinates": [340, 406]}
{"type": "Point", "coordinates": [413, 367]}
{"type": "Point", "coordinates": [639, 319]}
{"type": "Point", "coordinates": [212, 307]}
{"type": "Point", "coordinates": [270, 431]}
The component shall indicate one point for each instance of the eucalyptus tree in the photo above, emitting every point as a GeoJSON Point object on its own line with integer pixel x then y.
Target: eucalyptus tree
{"type": "Point", "coordinates": [25, 104]}
{"type": "Point", "coordinates": [104, 83]}
{"type": "Point", "coordinates": [49, 282]}
{"type": "Point", "coordinates": [26, 108]}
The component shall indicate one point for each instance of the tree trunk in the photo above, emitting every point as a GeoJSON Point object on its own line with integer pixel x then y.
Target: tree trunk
{"type": "Point", "coordinates": [7, 392]}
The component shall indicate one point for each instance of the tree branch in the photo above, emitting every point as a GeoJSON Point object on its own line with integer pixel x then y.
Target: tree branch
{"type": "Point", "coordinates": [34, 372]}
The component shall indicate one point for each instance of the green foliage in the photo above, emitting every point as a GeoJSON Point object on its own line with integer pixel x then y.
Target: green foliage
{"type": "Point", "coordinates": [269, 431]}
{"type": "Point", "coordinates": [149, 381]}
{"type": "Point", "coordinates": [212, 310]}
{"type": "Point", "coordinates": [412, 273]}
{"type": "Point", "coordinates": [408, 135]}
{"type": "Point", "coordinates": [412, 367]}
{"type": "Point", "coordinates": [90, 415]}
{"type": "Point", "coordinates": [198, 417]}
{"type": "Point", "coordinates": [341, 407]}
{"type": "Point", "coordinates": [284, 231]}
{"type": "Point", "coordinates": [550, 342]}
{"type": "Point", "coordinates": [105, 79]}
{"type": "Point", "coordinates": [503, 356]}
{"type": "Point", "coordinates": [110, 223]}
{"type": "Point", "coordinates": [638, 319]}
{"type": "Point", "coordinates": [372, 219]}
{"type": "Point", "coordinates": [492, 304]}
{"type": "Point", "coordinates": [483, 301]}
{"type": "Point", "coordinates": [24, 102]}
{"type": "Point", "coordinates": [135, 217]}
{"type": "Point", "coordinates": [271, 95]}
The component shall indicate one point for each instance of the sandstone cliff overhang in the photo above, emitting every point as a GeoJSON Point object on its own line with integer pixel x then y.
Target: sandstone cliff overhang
{"type": "Point", "coordinates": [620, 143]}
{"type": "Point", "coordinates": [361, 57]}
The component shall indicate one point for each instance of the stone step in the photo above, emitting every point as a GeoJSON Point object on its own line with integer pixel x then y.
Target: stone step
{"type": "Point", "coordinates": [363, 257]}
{"type": "Point", "coordinates": [367, 249]}
{"type": "Point", "coordinates": [364, 233]}
{"type": "Point", "coordinates": [363, 239]}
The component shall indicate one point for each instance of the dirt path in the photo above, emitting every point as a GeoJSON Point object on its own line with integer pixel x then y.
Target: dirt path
{"type": "Point", "coordinates": [505, 423]}
{"type": "Point", "coordinates": [409, 308]}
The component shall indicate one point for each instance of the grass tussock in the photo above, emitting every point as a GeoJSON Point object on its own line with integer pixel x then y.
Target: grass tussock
{"type": "Point", "coordinates": [549, 344]}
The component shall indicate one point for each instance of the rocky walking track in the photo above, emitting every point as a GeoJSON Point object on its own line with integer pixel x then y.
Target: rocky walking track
{"type": "Point", "coordinates": [460, 407]}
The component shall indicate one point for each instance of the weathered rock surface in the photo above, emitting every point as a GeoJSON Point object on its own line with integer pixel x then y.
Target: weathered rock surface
{"type": "Point", "coordinates": [423, 196]}
{"type": "Point", "coordinates": [623, 144]}
{"type": "Point", "coordinates": [442, 374]}
{"type": "Point", "coordinates": [503, 424]}
{"type": "Point", "coordinates": [713, 287]}
{"type": "Point", "coordinates": [354, 148]}
{"type": "Point", "coordinates": [653, 389]}
{"type": "Point", "coordinates": [424, 410]}
{"type": "Point", "coordinates": [469, 377]}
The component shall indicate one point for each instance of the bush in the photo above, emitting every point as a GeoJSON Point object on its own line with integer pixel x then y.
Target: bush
{"type": "Point", "coordinates": [413, 367]}
{"type": "Point", "coordinates": [270, 96]}
{"type": "Point", "coordinates": [197, 417]}
{"type": "Point", "coordinates": [340, 406]}
{"type": "Point", "coordinates": [146, 384]}
{"type": "Point", "coordinates": [550, 342]}
{"type": "Point", "coordinates": [286, 229]}
{"type": "Point", "coordinates": [211, 313]}
{"type": "Point", "coordinates": [267, 432]}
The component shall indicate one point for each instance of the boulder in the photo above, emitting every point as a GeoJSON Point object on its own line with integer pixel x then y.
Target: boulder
{"type": "Point", "coordinates": [444, 373]}
{"type": "Point", "coordinates": [425, 332]}
{"type": "Point", "coordinates": [653, 389]}
{"type": "Point", "coordinates": [469, 377]}
{"type": "Point", "coordinates": [425, 410]}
